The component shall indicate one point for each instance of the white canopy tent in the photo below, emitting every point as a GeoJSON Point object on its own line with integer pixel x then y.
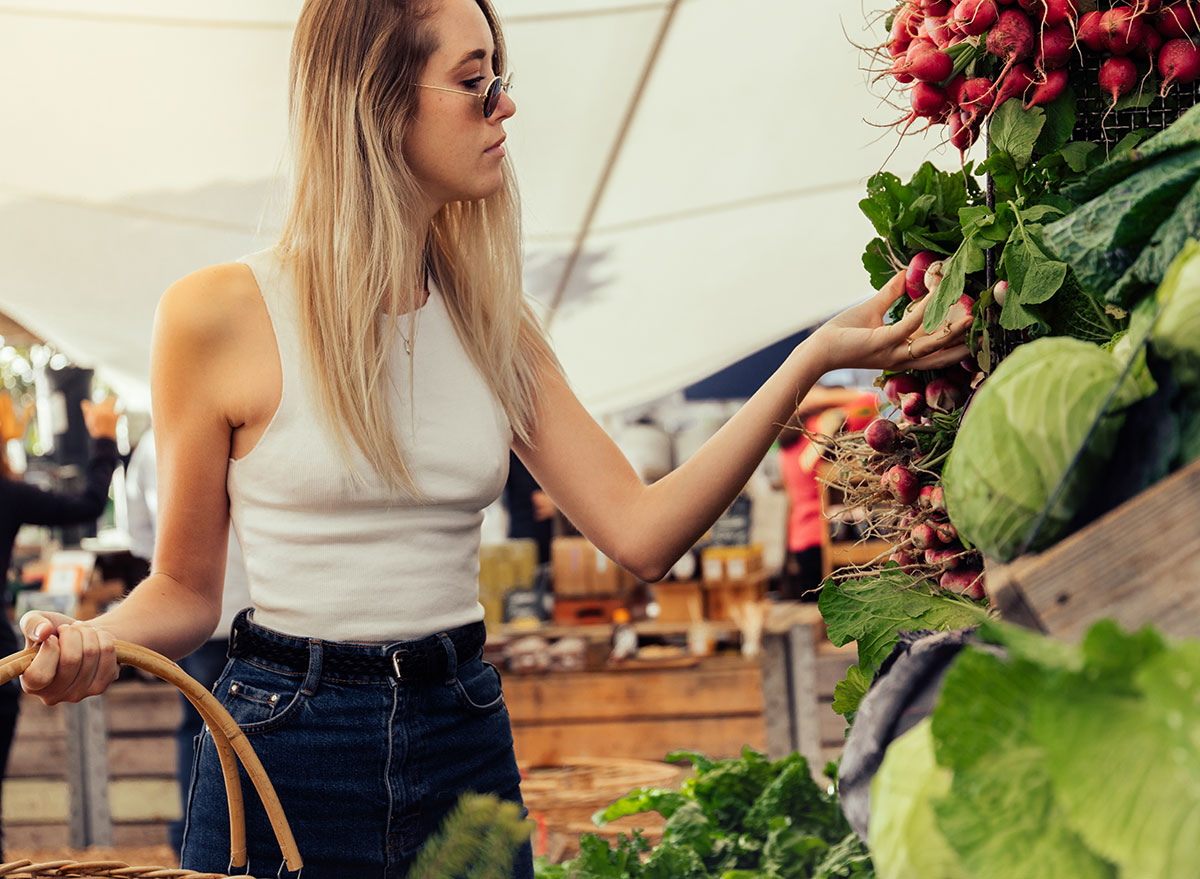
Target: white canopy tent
{"type": "Point", "coordinates": [690, 169]}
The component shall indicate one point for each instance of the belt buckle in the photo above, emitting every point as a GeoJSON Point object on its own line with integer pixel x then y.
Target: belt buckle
{"type": "Point", "coordinates": [396, 664]}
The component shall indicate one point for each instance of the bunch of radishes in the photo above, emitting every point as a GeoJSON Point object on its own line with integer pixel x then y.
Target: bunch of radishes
{"type": "Point", "coordinates": [926, 542]}
{"type": "Point", "coordinates": [962, 59]}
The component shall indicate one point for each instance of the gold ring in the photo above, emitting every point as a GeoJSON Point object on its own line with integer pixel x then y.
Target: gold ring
{"type": "Point", "coordinates": [910, 354]}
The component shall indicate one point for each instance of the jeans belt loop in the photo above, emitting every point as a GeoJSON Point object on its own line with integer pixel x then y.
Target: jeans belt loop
{"type": "Point", "coordinates": [451, 656]}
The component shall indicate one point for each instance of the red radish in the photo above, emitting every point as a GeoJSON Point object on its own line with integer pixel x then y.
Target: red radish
{"type": "Point", "coordinates": [946, 559]}
{"type": "Point", "coordinates": [924, 536]}
{"type": "Point", "coordinates": [914, 276]}
{"type": "Point", "coordinates": [902, 483]}
{"type": "Point", "coordinates": [928, 101]}
{"type": "Point", "coordinates": [927, 62]}
{"type": "Point", "coordinates": [1151, 43]}
{"type": "Point", "coordinates": [937, 499]}
{"type": "Point", "coordinates": [1175, 20]}
{"type": "Point", "coordinates": [960, 310]}
{"type": "Point", "coordinates": [954, 88]}
{"type": "Point", "coordinates": [905, 560]}
{"type": "Point", "coordinates": [1000, 292]}
{"type": "Point", "coordinates": [977, 96]}
{"type": "Point", "coordinates": [939, 31]}
{"type": "Point", "coordinates": [1118, 76]}
{"type": "Point", "coordinates": [1123, 30]}
{"type": "Point", "coordinates": [1047, 92]}
{"type": "Point", "coordinates": [963, 133]}
{"type": "Point", "coordinates": [1019, 80]}
{"type": "Point", "coordinates": [1012, 39]}
{"type": "Point", "coordinates": [964, 582]}
{"type": "Point", "coordinates": [904, 25]}
{"type": "Point", "coordinates": [975, 17]}
{"type": "Point", "coordinates": [900, 384]}
{"type": "Point", "coordinates": [933, 276]}
{"type": "Point", "coordinates": [924, 499]}
{"type": "Point", "coordinates": [937, 8]}
{"type": "Point", "coordinates": [1179, 61]}
{"type": "Point", "coordinates": [946, 532]}
{"type": "Point", "coordinates": [1088, 31]}
{"type": "Point", "coordinates": [1054, 48]}
{"type": "Point", "coordinates": [882, 435]}
{"type": "Point", "coordinates": [942, 395]}
{"type": "Point", "coordinates": [1059, 12]}
{"type": "Point", "coordinates": [912, 405]}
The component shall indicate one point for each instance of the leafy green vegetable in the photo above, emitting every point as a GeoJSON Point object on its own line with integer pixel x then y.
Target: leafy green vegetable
{"type": "Point", "coordinates": [1168, 240]}
{"type": "Point", "coordinates": [1014, 131]}
{"type": "Point", "coordinates": [1102, 239]}
{"type": "Point", "coordinates": [905, 841]}
{"type": "Point", "coordinates": [874, 610]}
{"type": "Point", "coordinates": [747, 817]}
{"type": "Point", "coordinates": [1033, 277]}
{"type": "Point", "coordinates": [1018, 443]}
{"type": "Point", "coordinates": [1176, 335]}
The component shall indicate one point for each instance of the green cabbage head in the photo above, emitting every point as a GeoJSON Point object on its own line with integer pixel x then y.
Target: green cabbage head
{"type": "Point", "coordinates": [903, 837]}
{"type": "Point", "coordinates": [1018, 438]}
{"type": "Point", "coordinates": [1176, 335]}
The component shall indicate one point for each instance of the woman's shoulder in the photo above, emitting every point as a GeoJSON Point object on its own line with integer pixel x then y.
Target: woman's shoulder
{"type": "Point", "coordinates": [211, 303]}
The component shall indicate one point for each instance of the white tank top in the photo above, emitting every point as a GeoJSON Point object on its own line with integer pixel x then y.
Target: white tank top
{"type": "Point", "coordinates": [330, 559]}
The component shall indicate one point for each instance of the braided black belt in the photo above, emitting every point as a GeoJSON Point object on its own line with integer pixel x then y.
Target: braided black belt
{"type": "Point", "coordinates": [415, 662]}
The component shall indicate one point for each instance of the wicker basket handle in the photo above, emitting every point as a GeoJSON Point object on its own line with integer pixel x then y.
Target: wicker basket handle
{"type": "Point", "coordinates": [230, 741]}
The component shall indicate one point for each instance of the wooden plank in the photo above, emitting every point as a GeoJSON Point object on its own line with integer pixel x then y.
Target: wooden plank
{"type": "Point", "coordinates": [776, 690]}
{"type": "Point", "coordinates": [35, 801]}
{"type": "Point", "coordinates": [551, 744]}
{"type": "Point", "coordinates": [34, 837]}
{"type": "Point", "coordinates": [141, 757]}
{"type": "Point", "coordinates": [37, 719]}
{"type": "Point", "coordinates": [87, 773]}
{"type": "Point", "coordinates": [831, 726]}
{"type": "Point", "coordinates": [37, 756]}
{"type": "Point", "coordinates": [802, 656]}
{"type": "Point", "coordinates": [148, 718]}
{"type": "Point", "coordinates": [141, 800]}
{"type": "Point", "coordinates": [718, 686]}
{"type": "Point", "coordinates": [140, 835]}
{"type": "Point", "coordinates": [1138, 564]}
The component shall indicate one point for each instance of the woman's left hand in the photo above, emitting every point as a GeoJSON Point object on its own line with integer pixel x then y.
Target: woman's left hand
{"type": "Point", "coordinates": [858, 337]}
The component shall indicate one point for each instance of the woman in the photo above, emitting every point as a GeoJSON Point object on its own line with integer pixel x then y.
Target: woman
{"type": "Point", "coordinates": [349, 398]}
{"type": "Point", "coordinates": [22, 504]}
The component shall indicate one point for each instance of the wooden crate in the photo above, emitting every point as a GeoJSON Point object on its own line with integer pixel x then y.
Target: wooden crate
{"type": "Point", "coordinates": [1139, 564]}
{"type": "Point", "coordinates": [678, 601]}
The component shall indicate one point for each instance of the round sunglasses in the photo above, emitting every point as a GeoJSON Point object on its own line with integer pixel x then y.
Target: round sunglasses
{"type": "Point", "coordinates": [490, 97]}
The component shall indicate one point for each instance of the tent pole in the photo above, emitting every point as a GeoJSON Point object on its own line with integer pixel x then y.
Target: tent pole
{"type": "Point", "coordinates": [614, 154]}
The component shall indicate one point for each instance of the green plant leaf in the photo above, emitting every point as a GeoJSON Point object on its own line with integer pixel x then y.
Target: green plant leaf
{"type": "Point", "coordinates": [1014, 131]}
{"type": "Point", "coordinates": [849, 692]}
{"type": "Point", "coordinates": [874, 610]}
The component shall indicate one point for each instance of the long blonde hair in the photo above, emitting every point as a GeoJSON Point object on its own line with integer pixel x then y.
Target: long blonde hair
{"type": "Point", "coordinates": [358, 245]}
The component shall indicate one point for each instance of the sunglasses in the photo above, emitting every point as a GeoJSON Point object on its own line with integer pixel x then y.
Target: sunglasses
{"type": "Point", "coordinates": [490, 97]}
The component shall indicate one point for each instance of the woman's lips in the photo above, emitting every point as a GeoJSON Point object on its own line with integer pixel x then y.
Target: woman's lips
{"type": "Point", "coordinates": [496, 149]}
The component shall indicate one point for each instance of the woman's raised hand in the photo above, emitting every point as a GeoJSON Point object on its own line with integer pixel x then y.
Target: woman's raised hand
{"type": "Point", "coordinates": [101, 418]}
{"type": "Point", "coordinates": [858, 337]}
{"type": "Point", "coordinates": [74, 661]}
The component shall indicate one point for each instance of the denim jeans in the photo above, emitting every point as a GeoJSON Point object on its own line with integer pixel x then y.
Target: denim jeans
{"type": "Point", "coordinates": [205, 666]}
{"type": "Point", "coordinates": [366, 767]}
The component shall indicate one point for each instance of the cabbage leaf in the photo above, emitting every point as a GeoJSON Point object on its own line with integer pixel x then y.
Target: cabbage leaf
{"type": "Point", "coordinates": [1019, 439]}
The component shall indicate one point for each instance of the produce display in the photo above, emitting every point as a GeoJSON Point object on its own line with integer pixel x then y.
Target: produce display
{"type": "Point", "coordinates": [741, 818]}
{"type": "Point", "coordinates": [1073, 241]}
{"type": "Point", "coordinates": [1075, 250]}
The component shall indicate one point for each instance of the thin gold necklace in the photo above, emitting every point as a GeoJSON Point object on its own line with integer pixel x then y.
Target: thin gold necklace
{"type": "Point", "coordinates": [408, 343]}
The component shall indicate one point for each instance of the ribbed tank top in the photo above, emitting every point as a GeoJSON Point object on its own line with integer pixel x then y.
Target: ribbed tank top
{"type": "Point", "coordinates": [329, 558]}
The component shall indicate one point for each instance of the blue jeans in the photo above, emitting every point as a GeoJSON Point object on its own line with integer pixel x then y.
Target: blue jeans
{"type": "Point", "coordinates": [366, 767]}
{"type": "Point", "coordinates": [205, 665]}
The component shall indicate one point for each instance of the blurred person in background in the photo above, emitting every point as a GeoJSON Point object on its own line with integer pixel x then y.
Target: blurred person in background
{"type": "Point", "coordinates": [207, 661]}
{"type": "Point", "coordinates": [22, 504]}
{"type": "Point", "coordinates": [822, 412]}
{"type": "Point", "coordinates": [530, 510]}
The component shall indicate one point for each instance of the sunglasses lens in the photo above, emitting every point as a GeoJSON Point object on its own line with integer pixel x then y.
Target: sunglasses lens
{"type": "Point", "coordinates": [491, 98]}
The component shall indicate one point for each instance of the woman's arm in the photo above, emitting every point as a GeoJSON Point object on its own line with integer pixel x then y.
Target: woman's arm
{"type": "Point", "coordinates": [173, 611]}
{"type": "Point", "coordinates": [646, 529]}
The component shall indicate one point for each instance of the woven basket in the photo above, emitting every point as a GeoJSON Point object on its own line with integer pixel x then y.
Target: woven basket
{"type": "Point", "coordinates": [232, 747]}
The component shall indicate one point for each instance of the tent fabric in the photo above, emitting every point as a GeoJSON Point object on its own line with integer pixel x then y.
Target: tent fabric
{"type": "Point", "coordinates": [695, 163]}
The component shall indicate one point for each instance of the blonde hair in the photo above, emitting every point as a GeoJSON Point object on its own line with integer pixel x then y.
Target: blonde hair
{"type": "Point", "coordinates": [358, 245]}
